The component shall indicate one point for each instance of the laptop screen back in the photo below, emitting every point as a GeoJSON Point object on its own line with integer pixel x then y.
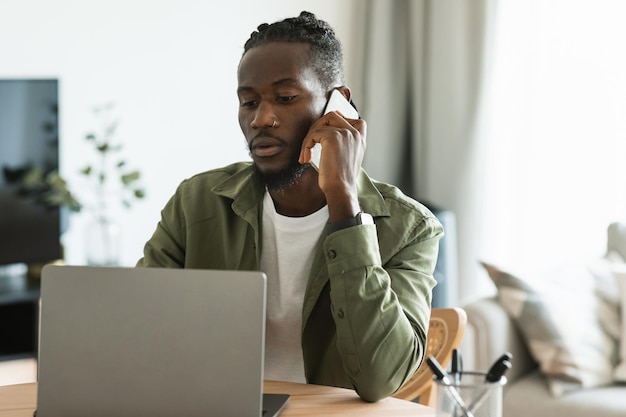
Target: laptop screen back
{"type": "Point", "coordinates": [150, 342]}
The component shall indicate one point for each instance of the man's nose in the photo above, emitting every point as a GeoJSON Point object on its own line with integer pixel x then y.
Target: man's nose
{"type": "Point", "coordinates": [264, 116]}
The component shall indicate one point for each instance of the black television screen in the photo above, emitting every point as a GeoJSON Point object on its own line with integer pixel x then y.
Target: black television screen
{"type": "Point", "coordinates": [29, 119]}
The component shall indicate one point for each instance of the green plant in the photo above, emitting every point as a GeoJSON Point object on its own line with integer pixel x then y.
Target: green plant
{"type": "Point", "coordinates": [109, 165]}
{"type": "Point", "coordinates": [48, 189]}
{"type": "Point", "coordinates": [109, 174]}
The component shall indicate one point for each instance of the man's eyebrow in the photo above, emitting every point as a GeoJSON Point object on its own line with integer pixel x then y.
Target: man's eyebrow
{"type": "Point", "coordinates": [285, 81]}
{"type": "Point", "coordinates": [282, 81]}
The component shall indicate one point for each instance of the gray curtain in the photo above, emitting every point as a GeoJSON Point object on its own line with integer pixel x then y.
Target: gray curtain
{"type": "Point", "coordinates": [418, 79]}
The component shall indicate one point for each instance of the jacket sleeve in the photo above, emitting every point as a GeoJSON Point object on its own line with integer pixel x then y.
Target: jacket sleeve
{"type": "Point", "coordinates": [381, 300]}
{"type": "Point", "coordinates": [166, 246]}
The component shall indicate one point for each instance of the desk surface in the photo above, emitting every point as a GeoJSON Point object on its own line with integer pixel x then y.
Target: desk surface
{"type": "Point", "coordinates": [306, 400]}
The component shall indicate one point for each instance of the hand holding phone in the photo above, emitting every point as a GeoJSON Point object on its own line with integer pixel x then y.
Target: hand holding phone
{"type": "Point", "coordinates": [336, 102]}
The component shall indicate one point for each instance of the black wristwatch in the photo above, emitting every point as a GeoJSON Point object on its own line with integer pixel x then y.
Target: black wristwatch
{"type": "Point", "coordinates": [360, 218]}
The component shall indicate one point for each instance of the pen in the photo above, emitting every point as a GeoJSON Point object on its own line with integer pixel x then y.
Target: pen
{"type": "Point", "coordinates": [499, 367]}
{"type": "Point", "coordinates": [456, 366]}
{"type": "Point", "coordinates": [444, 378]}
{"type": "Point", "coordinates": [494, 375]}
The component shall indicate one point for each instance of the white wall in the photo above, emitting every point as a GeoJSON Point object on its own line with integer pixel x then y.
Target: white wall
{"type": "Point", "coordinates": [170, 67]}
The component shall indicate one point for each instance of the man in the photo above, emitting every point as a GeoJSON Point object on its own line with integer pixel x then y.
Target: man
{"type": "Point", "coordinates": [348, 297]}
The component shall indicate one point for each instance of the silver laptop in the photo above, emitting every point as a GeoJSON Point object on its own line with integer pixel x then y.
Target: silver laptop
{"type": "Point", "coordinates": [152, 342]}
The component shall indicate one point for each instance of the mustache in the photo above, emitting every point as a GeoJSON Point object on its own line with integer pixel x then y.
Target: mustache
{"type": "Point", "coordinates": [264, 138]}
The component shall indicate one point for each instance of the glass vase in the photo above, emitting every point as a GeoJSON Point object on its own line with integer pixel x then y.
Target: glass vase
{"type": "Point", "coordinates": [102, 242]}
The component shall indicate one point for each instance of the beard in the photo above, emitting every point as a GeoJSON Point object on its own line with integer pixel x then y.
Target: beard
{"type": "Point", "coordinates": [283, 179]}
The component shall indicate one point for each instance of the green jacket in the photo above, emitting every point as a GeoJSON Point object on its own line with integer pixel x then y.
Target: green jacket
{"type": "Point", "coordinates": [367, 303]}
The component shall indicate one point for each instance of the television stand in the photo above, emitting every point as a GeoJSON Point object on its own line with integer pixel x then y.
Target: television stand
{"type": "Point", "coordinates": [19, 313]}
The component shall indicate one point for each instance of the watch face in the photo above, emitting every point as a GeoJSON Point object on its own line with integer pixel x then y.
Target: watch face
{"type": "Point", "coordinates": [364, 218]}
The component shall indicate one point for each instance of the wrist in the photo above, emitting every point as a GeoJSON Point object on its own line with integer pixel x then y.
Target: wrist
{"type": "Point", "coordinates": [342, 205]}
{"type": "Point", "coordinates": [360, 218]}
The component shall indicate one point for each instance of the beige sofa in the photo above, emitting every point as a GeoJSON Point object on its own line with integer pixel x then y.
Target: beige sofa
{"type": "Point", "coordinates": [490, 332]}
{"type": "Point", "coordinates": [493, 329]}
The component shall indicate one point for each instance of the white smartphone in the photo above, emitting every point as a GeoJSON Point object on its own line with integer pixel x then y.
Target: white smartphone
{"type": "Point", "coordinates": [336, 102]}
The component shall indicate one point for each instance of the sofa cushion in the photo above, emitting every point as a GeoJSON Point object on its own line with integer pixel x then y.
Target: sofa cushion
{"type": "Point", "coordinates": [489, 333]}
{"type": "Point", "coordinates": [616, 246]}
{"type": "Point", "coordinates": [529, 397]}
{"type": "Point", "coordinates": [616, 238]}
{"type": "Point", "coordinates": [620, 276]}
{"type": "Point", "coordinates": [566, 321]}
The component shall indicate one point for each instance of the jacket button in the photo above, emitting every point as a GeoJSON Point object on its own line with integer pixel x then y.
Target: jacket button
{"type": "Point", "coordinates": [332, 254]}
{"type": "Point", "coordinates": [340, 313]}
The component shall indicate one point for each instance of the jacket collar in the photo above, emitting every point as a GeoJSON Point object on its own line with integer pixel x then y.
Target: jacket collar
{"type": "Point", "coordinates": [247, 196]}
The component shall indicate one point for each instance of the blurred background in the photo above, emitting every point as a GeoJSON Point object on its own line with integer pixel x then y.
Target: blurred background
{"type": "Point", "coordinates": [508, 115]}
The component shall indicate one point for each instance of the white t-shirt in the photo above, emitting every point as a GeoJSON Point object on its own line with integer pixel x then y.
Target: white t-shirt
{"type": "Point", "coordinates": [286, 259]}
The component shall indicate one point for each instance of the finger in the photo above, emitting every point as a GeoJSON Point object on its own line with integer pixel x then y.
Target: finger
{"type": "Point", "coordinates": [337, 119]}
{"type": "Point", "coordinates": [305, 152]}
{"type": "Point", "coordinates": [361, 126]}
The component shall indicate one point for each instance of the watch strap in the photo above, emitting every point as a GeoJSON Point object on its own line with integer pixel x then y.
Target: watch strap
{"type": "Point", "coordinates": [349, 222]}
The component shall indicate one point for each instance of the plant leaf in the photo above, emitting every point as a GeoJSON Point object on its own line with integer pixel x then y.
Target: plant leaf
{"type": "Point", "coordinates": [55, 181]}
{"type": "Point", "coordinates": [110, 129]}
{"type": "Point", "coordinates": [33, 178]}
{"type": "Point", "coordinates": [130, 177]}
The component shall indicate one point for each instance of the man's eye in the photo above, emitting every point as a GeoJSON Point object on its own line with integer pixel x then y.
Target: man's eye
{"type": "Point", "coordinates": [250, 103]}
{"type": "Point", "coordinates": [285, 99]}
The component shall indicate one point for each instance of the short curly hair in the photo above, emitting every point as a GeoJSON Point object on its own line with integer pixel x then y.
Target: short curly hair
{"type": "Point", "coordinates": [326, 54]}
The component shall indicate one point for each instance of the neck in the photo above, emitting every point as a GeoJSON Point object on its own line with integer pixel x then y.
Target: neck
{"type": "Point", "coordinates": [301, 199]}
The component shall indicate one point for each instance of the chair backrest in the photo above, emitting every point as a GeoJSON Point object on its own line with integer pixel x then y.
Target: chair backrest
{"type": "Point", "coordinates": [444, 335]}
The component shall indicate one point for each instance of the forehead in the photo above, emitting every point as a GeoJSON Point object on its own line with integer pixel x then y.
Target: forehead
{"type": "Point", "coordinates": [273, 62]}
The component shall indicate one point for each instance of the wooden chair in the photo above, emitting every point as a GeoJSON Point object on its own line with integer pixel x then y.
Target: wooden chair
{"type": "Point", "coordinates": [444, 335]}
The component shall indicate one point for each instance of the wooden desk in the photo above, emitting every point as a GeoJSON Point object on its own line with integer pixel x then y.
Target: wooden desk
{"type": "Point", "coordinates": [306, 400]}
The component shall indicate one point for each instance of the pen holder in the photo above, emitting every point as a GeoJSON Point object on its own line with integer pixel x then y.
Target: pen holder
{"type": "Point", "coordinates": [470, 395]}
